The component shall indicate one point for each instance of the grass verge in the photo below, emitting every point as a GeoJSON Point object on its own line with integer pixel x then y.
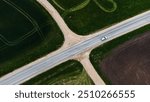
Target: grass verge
{"type": "Point", "coordinates": [68, 73]}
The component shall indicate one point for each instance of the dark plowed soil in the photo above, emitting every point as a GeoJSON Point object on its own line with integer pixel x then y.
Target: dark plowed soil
{"type": "Point", "coordinates": [130, 62]}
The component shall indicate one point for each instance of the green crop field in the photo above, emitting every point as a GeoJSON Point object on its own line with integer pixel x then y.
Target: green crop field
{"type": "Point", "coordinates": [27, 32]}
{"type": "Point", "coordinates": [99, 53]}
{"type": "Point", "coordinates": [87, 16]}
{"type": "Point", "coordinates": [68, 73]}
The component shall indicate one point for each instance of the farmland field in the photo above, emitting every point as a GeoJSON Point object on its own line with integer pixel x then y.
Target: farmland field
{"type": "Point", "coordinates": [129, 63]}
{"type": "Point", "coordinates": [87, 16]}
{"type": "Point", "coordinates": [27, 32]}
{"type": "Point", "coordinates": [68, 73]}
{"type": "Point", "coordinates": [99, 55]}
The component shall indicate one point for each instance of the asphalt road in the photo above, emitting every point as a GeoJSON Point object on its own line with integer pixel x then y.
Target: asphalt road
{"type": "Point", "coordinates": [81, 47]}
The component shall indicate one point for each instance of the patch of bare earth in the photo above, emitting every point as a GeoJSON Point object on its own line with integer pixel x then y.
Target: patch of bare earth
{"type": "Point", "coordinates": [130, 62]}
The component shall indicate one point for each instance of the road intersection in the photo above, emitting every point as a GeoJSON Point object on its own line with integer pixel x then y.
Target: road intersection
{"type": "Point", "coordinates": [19, 76]}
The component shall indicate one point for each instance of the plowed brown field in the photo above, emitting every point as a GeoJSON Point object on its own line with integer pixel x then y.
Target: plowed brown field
{"type": "Point", "coordinates": [130, 62]}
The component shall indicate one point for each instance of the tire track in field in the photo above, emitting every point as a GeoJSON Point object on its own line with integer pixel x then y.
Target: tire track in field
{"type": "Point", "coordinates": [34, 23]}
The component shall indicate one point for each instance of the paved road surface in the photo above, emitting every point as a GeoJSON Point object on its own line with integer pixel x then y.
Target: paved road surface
{"type": "Point", "coordinates": [78, 48]}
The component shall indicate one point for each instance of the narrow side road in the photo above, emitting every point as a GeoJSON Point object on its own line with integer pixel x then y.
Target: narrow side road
{"type": "Point", "coordinates": [91, 71]}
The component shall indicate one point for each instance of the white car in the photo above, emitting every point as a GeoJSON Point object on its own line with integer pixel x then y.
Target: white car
{"type": "Point", "coordinates": [104, 38]}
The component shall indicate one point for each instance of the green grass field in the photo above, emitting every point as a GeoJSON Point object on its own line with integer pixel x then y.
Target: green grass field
{"type": "Point", "coordinates": [68, 73]}
{"type": "Point", "coordinates": [27, 32]}
{"type": "Point", "coordinates": [101, 52]}
{"type": "Point", "coordinates": [87, 16]}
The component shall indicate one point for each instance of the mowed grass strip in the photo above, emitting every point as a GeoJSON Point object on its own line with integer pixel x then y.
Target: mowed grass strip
{"type": "Point", "coordinates": [94, 15]}
{"type": "Point", "coordinates": [35, 34]}
{"type": "Point", "coordinates": [99, 53]}
{"type": "Point", "coordinates": [68, 73]}
{"type": "Point", "coordinates": [67, 4]}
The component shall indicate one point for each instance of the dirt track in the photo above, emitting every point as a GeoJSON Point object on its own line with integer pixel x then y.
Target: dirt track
{"type": "Point", "coordinates": [130, 62]}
